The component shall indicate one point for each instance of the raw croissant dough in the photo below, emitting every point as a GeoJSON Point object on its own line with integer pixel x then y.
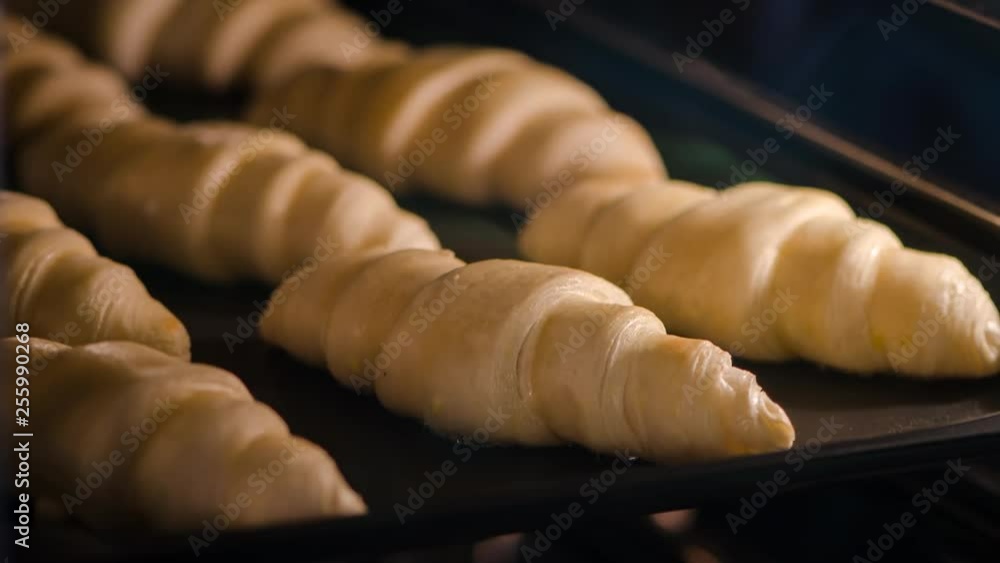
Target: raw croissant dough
{"type": "Point", "coordinates": [181, 440]}
{"type": "Point", "coordinates": [219, 44]}
{"type": "Point", "coordinates": [776, 272]}
{"type": "Point", "coordinates": [217, 200]}
{"type": "Point", "coordinates": [46, 82]}
{"type": "Point", "coordinates": [478, 125]}
{"type": "Point", "coordinates": [711, 410]}
{"type": "Point", "coordinates": [54, 280]}
{"type": "Point", "coordinates": [862, 310]}
{"type": "Point", "coordinates": [558, 354]}
{"type": "Point", "coordinates": [474, 125]}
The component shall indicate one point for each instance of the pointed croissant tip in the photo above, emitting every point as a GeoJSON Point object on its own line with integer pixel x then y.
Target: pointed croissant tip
{"type": "Point", "coordinates": [350, 503]}
{"type": "Point", "coordinates": [992, 337]}
{"type": "Point", "coordinates": [342, 499]}
{"type": "Point", "coordinates": [776, 424]}
{"type": "Point", "coordinates": [763, 426]}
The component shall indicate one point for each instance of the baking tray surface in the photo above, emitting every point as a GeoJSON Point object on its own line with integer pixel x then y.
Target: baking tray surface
{"type": "Point", "coordinates": [847, 428]}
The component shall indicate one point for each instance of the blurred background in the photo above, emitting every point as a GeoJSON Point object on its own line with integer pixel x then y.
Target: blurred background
{"type": "Point", "coordinates": [896, 76]}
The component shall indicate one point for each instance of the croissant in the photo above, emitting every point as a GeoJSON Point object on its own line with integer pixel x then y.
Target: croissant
{"type": "Point", "coordinates": [776, 272]}
{"type": "Point", "coordinates": [46, 81]}
{"type": "Point", "coordinates": [54, 280]}
{"type": "Point", "coordinates": [221, 44]}
{"type": "Point", "coordinates": [547, 354]}
{"type": "Point", "coordinates": [218, 200]}
{"type": "Point", "coordinates": [137, 438]}
{"type": "Point", "coordinates": [478, 125]}
{"type": "Point", "coordinates": [723, 410]}
{"type": "Point", "coordinates": [474, 125]}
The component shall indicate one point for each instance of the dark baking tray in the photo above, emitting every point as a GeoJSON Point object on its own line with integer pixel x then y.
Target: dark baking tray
{"type": "Point", "coordinates": [888, 425]}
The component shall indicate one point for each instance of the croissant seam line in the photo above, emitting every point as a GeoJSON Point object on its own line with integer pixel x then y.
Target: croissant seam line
{"type": "Point", "coordinates": [609, 360]}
